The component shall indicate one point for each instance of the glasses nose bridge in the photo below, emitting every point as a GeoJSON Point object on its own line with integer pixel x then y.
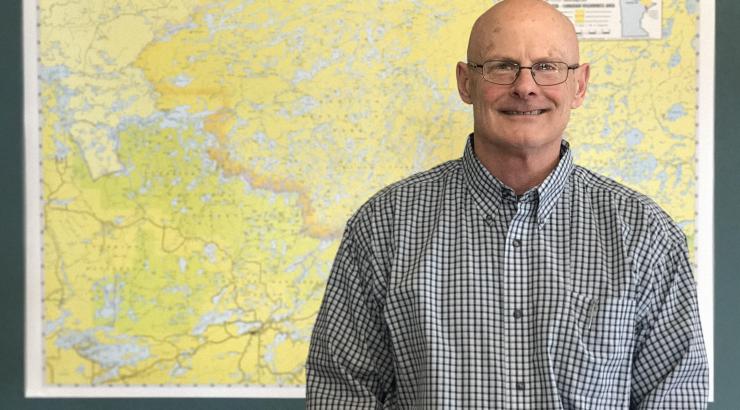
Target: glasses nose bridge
{"type": "Point", "coordinates": [519, 71]}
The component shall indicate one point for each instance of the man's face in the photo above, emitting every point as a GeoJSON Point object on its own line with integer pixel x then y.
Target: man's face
{"type": "Point", "coordinates": [523, 116]}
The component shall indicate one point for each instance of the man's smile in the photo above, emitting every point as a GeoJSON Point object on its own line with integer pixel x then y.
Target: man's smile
{"type": "Point", "coordinates": [532, 112]}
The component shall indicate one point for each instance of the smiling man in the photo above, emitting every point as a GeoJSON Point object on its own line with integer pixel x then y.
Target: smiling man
{"type": "Point", "coordinates": [511, 278]}
{"type": "Point", "coordinates": [520, 119]}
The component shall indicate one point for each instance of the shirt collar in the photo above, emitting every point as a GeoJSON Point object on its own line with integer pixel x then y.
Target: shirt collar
{"type": "Point", "coordinates": [489, 192]}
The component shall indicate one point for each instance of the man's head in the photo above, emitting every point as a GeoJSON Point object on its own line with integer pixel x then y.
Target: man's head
{"type": "Point", "coordinates": [523, 116]}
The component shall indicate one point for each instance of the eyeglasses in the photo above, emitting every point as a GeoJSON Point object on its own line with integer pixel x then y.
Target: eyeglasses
{"type": "Point", "coordinates": [506, 72]}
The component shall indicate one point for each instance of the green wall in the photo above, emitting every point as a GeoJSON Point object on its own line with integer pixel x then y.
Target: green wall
{"type": "Point", "coordinates": [727, 203]}
{"type": "Point", "coordinates": [727, 236]}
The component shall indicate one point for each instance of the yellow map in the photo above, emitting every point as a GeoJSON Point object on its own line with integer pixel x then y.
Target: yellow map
{"type": "Point", "coordinates": [200, 158]}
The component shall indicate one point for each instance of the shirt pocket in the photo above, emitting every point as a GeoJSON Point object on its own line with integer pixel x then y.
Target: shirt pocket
{"type": "Point", "coordinates": [605, 326]}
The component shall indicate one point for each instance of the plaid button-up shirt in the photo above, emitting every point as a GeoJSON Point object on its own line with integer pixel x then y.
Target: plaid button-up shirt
{"type": "Point", "coordinates": [449, 291]}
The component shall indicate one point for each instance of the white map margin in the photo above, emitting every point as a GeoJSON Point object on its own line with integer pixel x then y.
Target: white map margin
{"type": "Point", "coordinates": [705, 180]}
{"type": "Point", "coordinates": [32, 184]}
{"type": "Point", "coordinates": [185, 391]}
{"type": "Point", "coordinates": [33, 351]}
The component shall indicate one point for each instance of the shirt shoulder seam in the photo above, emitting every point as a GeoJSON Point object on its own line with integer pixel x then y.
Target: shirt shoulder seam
{"type": "Point", "coordinates": [429, 176]}
{"type": "Point", "coordinates": [663, 223]}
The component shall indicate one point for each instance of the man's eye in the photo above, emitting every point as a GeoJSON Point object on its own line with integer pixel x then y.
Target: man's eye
{"type": "Point", "coordinates": [502, 66]}
{"type": "Point", "coordinates": [546, 67]}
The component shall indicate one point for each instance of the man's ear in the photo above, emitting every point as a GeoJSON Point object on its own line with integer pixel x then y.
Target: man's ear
{"type": "Point", "coordinates": [463, 82]}
{"type": "Point", "coordinates": [581, 75]}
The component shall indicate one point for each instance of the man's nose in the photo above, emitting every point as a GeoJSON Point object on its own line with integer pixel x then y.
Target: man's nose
{"type": "Point", "coordinates": [524, 85]}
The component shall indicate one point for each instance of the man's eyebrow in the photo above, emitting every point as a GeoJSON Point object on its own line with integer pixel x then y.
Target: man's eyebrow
{"type": "Point", "coordinates": [553, 54]}
{"type": "Point", "coordinates": [533, 61]}
{"type": "Point", "coordinates": [557, 54]}
{"type": "Point", "coordinates": [502, 57]}
{"type": "Point", "coordinates": [490, 54]}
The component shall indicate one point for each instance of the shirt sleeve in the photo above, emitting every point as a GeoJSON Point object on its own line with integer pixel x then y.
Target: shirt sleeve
{"type": "Point", "coordinates": [670, 368]}
{"type": "Point", "coordinates": [350, 362]}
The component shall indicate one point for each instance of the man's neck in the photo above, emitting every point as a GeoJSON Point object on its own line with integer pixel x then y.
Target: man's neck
{"type": "Point", "coordinates": [520, 170]}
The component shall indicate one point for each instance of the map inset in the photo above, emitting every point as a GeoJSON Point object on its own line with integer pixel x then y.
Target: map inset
{"type": "Point", "coordinates": [614, 19]}
{"type": "Point", "coordinates": [200, 158]}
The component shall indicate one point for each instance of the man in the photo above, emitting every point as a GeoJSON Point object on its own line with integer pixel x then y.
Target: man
{"type": "Point", "coordinates": [511, 278]}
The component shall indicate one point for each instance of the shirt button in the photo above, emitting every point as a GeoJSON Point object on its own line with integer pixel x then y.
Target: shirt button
{"type": "Point", "coordinates": [517, 243]}
{"type": "Point", "coordinates": [520, 386]}
{"type": "Point", "coordinates": [518, 314]}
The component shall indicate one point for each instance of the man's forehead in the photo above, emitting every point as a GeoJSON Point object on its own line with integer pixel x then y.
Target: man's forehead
{"type": "Point", "coordinates": [548, 33]}
{"type": "Point", "coordinates": [544, 52]}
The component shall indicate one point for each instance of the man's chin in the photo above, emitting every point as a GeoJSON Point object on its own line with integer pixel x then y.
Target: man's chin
{"type": "Point", "coordinates": [520, 141]}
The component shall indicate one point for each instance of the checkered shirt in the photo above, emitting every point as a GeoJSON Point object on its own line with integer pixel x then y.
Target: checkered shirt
{"type": "Point", "coordinates": [449, 291]}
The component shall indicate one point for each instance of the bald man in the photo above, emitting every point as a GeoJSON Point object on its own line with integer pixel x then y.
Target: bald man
{"type": "Point", "coordinates": [511, 278]}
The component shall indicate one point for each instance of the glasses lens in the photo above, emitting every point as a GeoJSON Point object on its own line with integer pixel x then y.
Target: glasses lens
{"type": "Point", "coordinates": [549, 73]}
{"type": "Point", "coordinates": [500, 72]}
